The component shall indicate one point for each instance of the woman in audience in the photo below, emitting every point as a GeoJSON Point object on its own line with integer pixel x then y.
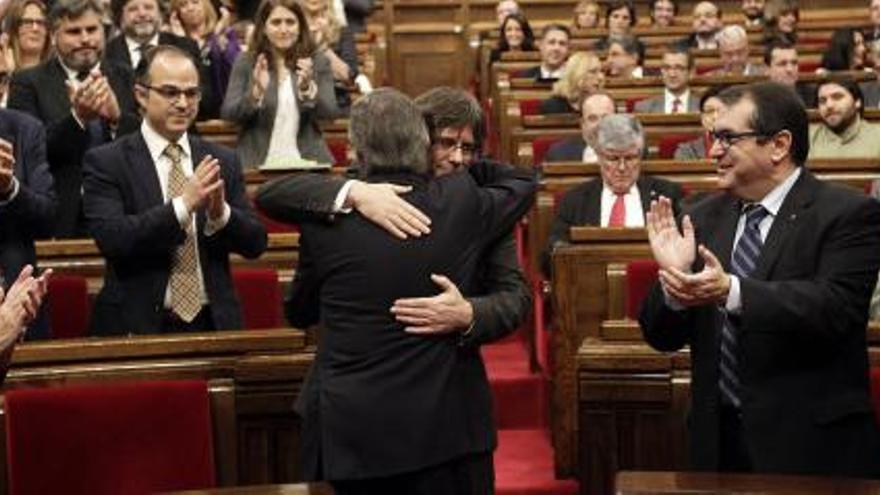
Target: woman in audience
{"type": "Point", "coordinates": [28, 43]}
{"type": "Point", "coordinates": [663, 13]}
{"type": "Point", "coordinates": [698, 149]}
{"type": "Point", "coordinates": [781, 20]}
{"type": "Point", "coordinates": [218, 44]}
{"type": "Point", "coordinates": [582, 77]}
{"type": "Point", "coordinates": [279, 89]}
{"type": "Point", "coordinates": [336, 42]}
{"type": "Point", "coordinates": [516, 36]}
{"type": "Point", "coordinates": [620, 17]}
{"type": "Point", "coordinates": [846, 51]}
{"type": "Point", "coordinates": [586, 15]}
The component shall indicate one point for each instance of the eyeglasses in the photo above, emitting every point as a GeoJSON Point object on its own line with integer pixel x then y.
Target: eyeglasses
{"type": "Point", "coordinates": [616, 161]}
{"type": "Point", "coordinates": [172, 93]}
{"type": "Point", "coordinates": [448, 145]}
{"type": "Point", "coordinates": [670, 68]}
{"type": "Point", "coordinates": [726, 139]}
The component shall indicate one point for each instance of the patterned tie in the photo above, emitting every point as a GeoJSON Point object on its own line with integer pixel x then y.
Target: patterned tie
{"type": "Point", "coordinates": [618, 213]}
{"type": "Point", "coordinates": [676, 106]}
{"type": "Point", "coordinates": [185, 293]}
{"type": "Point", "coordinates": [745, 256]}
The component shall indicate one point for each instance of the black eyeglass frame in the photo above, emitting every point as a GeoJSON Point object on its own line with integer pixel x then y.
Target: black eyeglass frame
{"type": "Point", "coordinates": [172, 93]}
{"type": "Point", "coordinates": [726, 139]}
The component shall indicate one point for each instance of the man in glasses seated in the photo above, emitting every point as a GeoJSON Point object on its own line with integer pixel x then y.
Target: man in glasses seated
{"type": "Point", "coordinates": [842, 132]}
{"type": "Point", "coordinates": [582, 148]}
{"type": "Point", "coordinates": [768, 283]}
{"type": "Point", "coordinates": [622, 195]}
{"type": "Point", "coordinates": [166, 210]}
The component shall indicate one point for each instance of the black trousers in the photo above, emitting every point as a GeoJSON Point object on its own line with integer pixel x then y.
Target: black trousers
{"type": "Point", "coordinates": [203, 322]}
{"type": "Point", "coordinates": [473, 474]}
{"type": "Point", "coordinates": [733, 455]}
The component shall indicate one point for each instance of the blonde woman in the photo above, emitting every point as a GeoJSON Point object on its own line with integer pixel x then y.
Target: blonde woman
{"type": "Point", "coordinates": [336, 42]}
{"type": "Point", "coordinates": [583, 76]}
{"type": "Point", "coordinates": [586, 15]}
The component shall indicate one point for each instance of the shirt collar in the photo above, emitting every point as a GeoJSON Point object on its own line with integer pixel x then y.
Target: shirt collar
{"type": "Point", "coordinates": [134, 45]}
{"type": "Point", "coordinates": [683, 97]}
{"type": "Point", "coordinates": [71, 74]}
{"type": "Point", "coordinates": [772, 202]}
{"type": "Point", "coordinates": [606, 191]}
{"type": "Point", "coordinates": [156, 144]}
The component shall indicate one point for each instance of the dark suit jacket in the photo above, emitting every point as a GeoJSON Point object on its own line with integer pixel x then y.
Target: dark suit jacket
{"type": "Point", "coordinates": [801, 337]}
{"type": "Point", "coordinates": [570, 149]}
{"type": "Point", "coordinates": [556, 104]}
{"type": "Point", "coordinates": [502, 298]}
{"type": "Point", "coordinates": [31, 214]}
{"type": "Point", "coordinates": [534, 73]}
{"type": "Point", "coordinates": [379, 401]}
{"type": "Point", "coordinates": [582, 205]}
{"type": "Point", "coordinates": [694, 149]}
{"type": "Point", "coordinates": [117, 55]}
{"type": "Point", "coordinates": [137, 232]}
{"type": "Point", "coordinates": [41, 91]}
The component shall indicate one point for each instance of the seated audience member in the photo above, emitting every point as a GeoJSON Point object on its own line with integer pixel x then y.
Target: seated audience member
{"type": "Point", "coordinates": [873, 32]}
{"type": "Point", "coordinates": [781, 58]}
{"type": "Point", "coordinates": [554, 47]}
{"type": "Point", "coordinates": [842, 132]}
{"type": "Point", "coordinates": [27, 198]}
{"type": "Point", "coordinates": [676, 69]}
{"type": "Point", "coordinates": [780, 20]}
{"type": "Point", "coordinates": [139, 22]}
{"type": "Point", "coordinates": [586, 15]}
{"type": "Point", "coordinates": [706, 24]}
{"type": "Point", "coordinates": [871, 89]}
{"type": "Point", "coordinates": [19, 307]}
{"type": "Point", "coordinates": [278, 91]}
{"type": "Point", "coordinates": [505, 8]}
{"type": "Point", "coordinates": [624, 56]}
{"type": "Point", "coordinates": [845, 51]}
{"type": "Point", "coordinates": [622, 196]}
{"type": "Point", "coordinates": [583, 148]}
{"type": "Point", "coordinates": [78, 99]}
{"type": "Point", "coordinates": [753, 11]}
{"type": "Point", "coordinates": [5, 78]}
{"type": "Point", "coordinates": [337, 44]}
{"type": "Point", "coordinates": [582, 77]}
{"type": "Point", "coordinates": [28, 41]}
{"type": "Point", "coordinates": [516, 36]}
{"type": "Point", "coordinates": [663, 13]}
{"type": "Point", "coordinates": [698, 149]}
{"type": "Point", "coordinates": [733, 50]}
{"type": "Point", "coordinates": [213, 34]}
{"type": "Point", "coordinates": [166, 209]}
{"type": "Point", "coordinates": [620, 17]}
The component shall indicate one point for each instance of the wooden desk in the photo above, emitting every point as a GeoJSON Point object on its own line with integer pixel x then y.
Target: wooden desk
{"type": "Point", "coordinates": [291, 489]}
{"type": "Point", "coordinates": [666, 482]}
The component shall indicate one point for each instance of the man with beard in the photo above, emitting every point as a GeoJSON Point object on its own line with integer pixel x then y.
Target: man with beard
{"type": "Point", "coordinates": [80, 101]}
{"type": "Point", "coordinates": [843, 133]}
{"type": "Point", "coordinates": [753, 10]}
{"type": "Point", "coordinates": [706, 24]}
{"type": "Point", "coordinates": [139, 22]}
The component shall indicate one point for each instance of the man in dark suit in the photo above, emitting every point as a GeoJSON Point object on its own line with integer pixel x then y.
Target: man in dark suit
{"type": "Point", "coordinates": [582, 148]}
{"type": "Point", "coordinates": [139, 22]}
{"type": "Point", "coordinates": [622, 195]}
{"type": "Point", "coordinates": [775, 307]}
{"type": "Point", "coordinates": [388, 409]}
{"type": "Point", "coordinates": [676, 69]}
{"type": "Point", "coordinates": [80, 102]}
{"type": "Point", "coordinates": [27, 199]}
{"type": "Point", "coordinates": [166, 210]}
{"type": "Point", "coordinates": [554, 48]}
{"type": "Point", "coordinates": [502, 299]}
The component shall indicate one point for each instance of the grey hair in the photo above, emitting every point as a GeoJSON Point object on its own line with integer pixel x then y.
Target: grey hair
{"type": "Point", "coordinates": [388, 134]}
{"type": "Point", "coordinates": [730, 34]}
{"type": "Point", "coordinates": [619, 131]}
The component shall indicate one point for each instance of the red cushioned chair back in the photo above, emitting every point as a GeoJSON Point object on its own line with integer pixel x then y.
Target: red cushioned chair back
{"type": "Point", "coordinates": [809, 67]}
{"type": "Point", "coordinates": [640, 276]}
{"type": "Point", "coordinates": [530, 107]}
{"type": "Point", "coordinates": [539, 148]}
{"type": "Point", "coordinates": [875, 392]}
{"type": "Point", "coordinates": [630, 103]}
{"type": "Point", "coordinates": [69, 306]}
{"type": "Point", "coordinates": [109, 439]}
{"type": "Point", "coordinates": [704, 68]}
{"type": "Point", "coordinates": [260, 295]}
{"type": "Point", "coordinates": [670, 142]}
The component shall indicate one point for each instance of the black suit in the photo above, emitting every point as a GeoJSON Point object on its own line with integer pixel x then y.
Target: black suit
{"type": "Point", "coordinates": [380, 402]}
{"type": "Point", "coordinates": [570, 149]}
{"type": "Point", "coordinates": [117, 54]}
{"type": "Point", "coordinates": [137, 232]}
{"type": "Point", "coordinates": [801, 334]}
{"type": "Point", "coordinates": [502, 299]}
{"type": "Point", "coordinates": [30, 214]}
{"type": "Point", "coordinates": [41, 91]}
{"type": "Point", "coordinates": [582, 205]}
{"type": "Point", "coordinates": [534, 73]}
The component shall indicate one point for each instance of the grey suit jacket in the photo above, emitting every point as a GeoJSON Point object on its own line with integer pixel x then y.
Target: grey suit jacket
{"type": "Point", "coordinates": [870, 94]}
{"type": "Point", "coordinates": [691, 150]}
{"type": "Point", "coordinates": [256, 121]}
{"type": "Point", "coordinates": [656, 104]}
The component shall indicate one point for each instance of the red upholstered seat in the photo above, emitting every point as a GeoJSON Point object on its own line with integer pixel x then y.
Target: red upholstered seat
{"type": "Point", "coordinates": [339, 150]}
{"type": "Point", "coordinates": [809, 67]}
{"type": "Point", "coordinates": [539, 148]}
{"type": "Point", "coordinates": [631, 103]}
{"type": "Point", "coordinates": [669, 142]}
{"type": "Point", "coordinates": [109, 439]}
{"type": "Point", "coordinates": [68, 305]}
{"type": "Point", "coordinates": [530, 107]}
{"type": "Point", "coordinates": [260, 295]}
{"type": "Point", "coordinates": [640, 276]}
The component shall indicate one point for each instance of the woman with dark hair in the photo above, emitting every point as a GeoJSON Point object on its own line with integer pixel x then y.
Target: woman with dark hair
{"type": "Point", "coordinates": [279, 89]}
{"type": "Point", "coordinates": [846, 51]}
{"type": "Point", "coordinates": [620, 17]}
{"type": "Point", "coordinates": [663, 13]}
{"type": "Point", "coordinates": [28, 43]}
{"type": "Point", "coordinates": [516, 35]}
{"type": "Point", "coordinates": [780, 21]}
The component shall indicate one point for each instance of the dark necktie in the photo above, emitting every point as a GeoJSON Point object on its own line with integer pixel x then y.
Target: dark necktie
{"type": "Point", "coordinates": [676, 105]}
{"type": "Point", "coordinates": [745, 256]}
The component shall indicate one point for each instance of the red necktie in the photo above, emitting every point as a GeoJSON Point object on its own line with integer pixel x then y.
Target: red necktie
{"type": "Point", "coordinates": [618, 213]}
{"type": "Point", "coordinates": [676, 105]}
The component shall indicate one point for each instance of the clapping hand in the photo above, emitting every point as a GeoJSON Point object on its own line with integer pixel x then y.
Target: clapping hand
{"type": "Point", "coordinates": [7, 167]}
{"type": "Point", "coordinates": [671, 248]}
{"type": "Point", "coordinates": [260, 78]}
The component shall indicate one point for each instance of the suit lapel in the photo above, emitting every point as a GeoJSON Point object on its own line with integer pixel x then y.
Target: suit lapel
{"type": "Point", "coordinates": [593, 206]}
{"type": "Point", "coordinates": [198, 151]}
{"type": "Point", "coordinates": [720, 238]}
{"type": "Point", "coordinates": [55, 87]}
{"type": "Point", "coordinates": [144, 170]}
{"type": "Point", "coordinates": [646, 192]}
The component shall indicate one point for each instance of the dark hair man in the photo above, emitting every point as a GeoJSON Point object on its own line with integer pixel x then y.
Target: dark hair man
{"type": "Point", "coordinates": [676, 69]}
{"type": "Point", "coordinates": [554, 48]}
{"type": "Point", "coordinates": [706, 24]}
{"type": "Point", "coordinates": [781, 59]}
{"type": "Point", "coordinates": [842, 133]}
{"type": "Point", "coordinates": [768, 282]}
{"type": "Point", "coordinates": [166, 209]}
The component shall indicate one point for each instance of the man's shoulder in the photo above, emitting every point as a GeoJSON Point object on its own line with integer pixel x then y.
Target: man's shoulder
{"type": "Point", "coordinates": [649, 104]}
{"type": "Point", "coordinates": [23, 122]}
{"type": "Point", "coordinates": [222, 153]}
{"type": "Point", "coordinates": [32, 75]}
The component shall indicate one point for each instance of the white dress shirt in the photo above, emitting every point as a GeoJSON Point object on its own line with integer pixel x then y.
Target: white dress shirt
{"type": "Point", "coordinates": [632, 201]}
{"type": "Point", "coordinates": [134, 48]}
{"type": "Point", "coordinates": [589, 155]}
{"type": "Point", "coordinates": [669, 98]}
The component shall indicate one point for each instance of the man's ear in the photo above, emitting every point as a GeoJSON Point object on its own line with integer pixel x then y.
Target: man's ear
{"type": "Point", "coordinates": [141, 95]}
{"type": "Point", "coordinates": [781, 145]}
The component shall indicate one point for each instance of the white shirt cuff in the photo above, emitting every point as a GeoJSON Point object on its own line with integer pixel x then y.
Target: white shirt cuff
{"type": "Point", "coordinates": [214, 226]}
{"type": "Point", "coordinates": [341, 196]}
{"type": "Point", "coordinates": [180, 211]}
{"type": "Point", "coordinates": [733, 305]}
{"type": "Point", "coordinates": [12, 194]}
